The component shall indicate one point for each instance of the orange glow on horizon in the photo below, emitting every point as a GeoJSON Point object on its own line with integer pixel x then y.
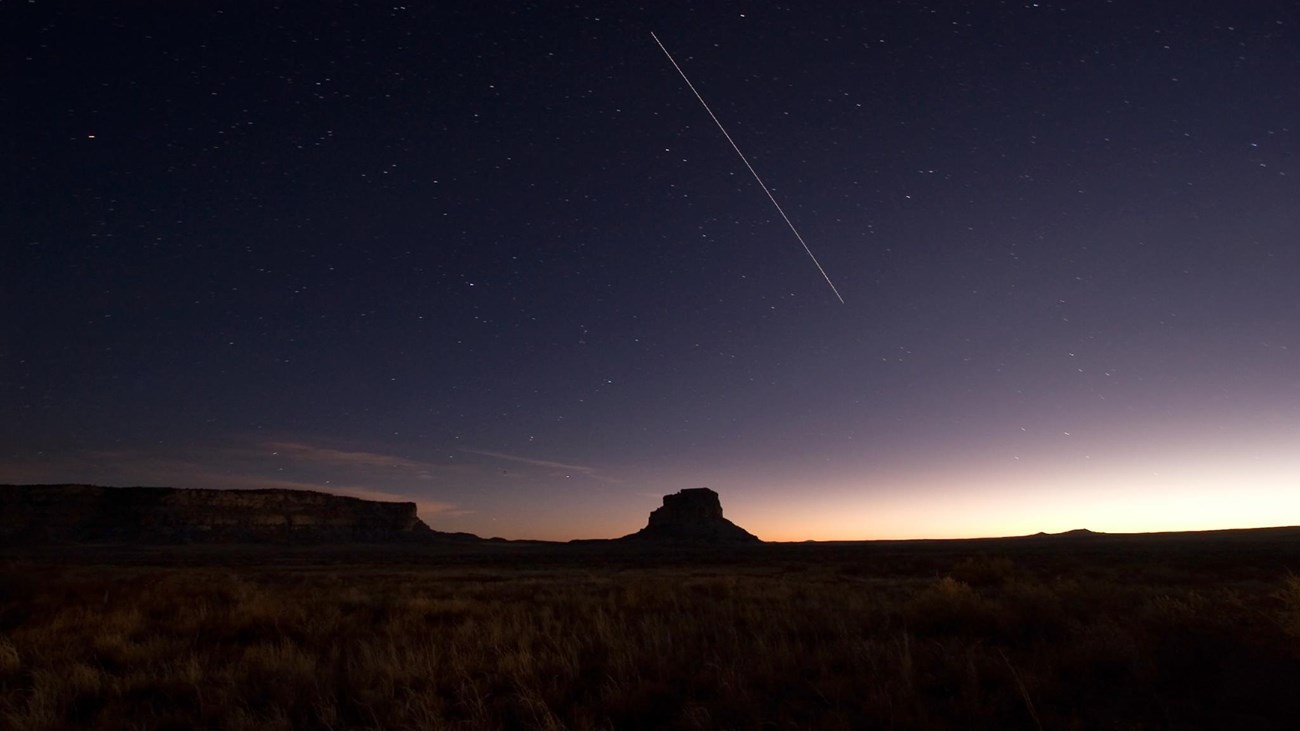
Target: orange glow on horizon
{"type": "Point", "coordinates": [1204, 492]}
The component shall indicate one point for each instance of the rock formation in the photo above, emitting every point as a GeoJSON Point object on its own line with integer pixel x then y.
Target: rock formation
{"type": "Point", "coordinates": [89, 513]}
{"type": "Point", "coordinates": [693, 515]}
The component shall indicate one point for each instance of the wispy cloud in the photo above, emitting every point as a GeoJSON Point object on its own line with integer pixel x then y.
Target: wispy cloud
{"type": "Point", "coordinates": [343, 458]}
{"type": "Point", "coordinates": [262, 466]}
{"type": "Point", "coordinates": [556, 467]}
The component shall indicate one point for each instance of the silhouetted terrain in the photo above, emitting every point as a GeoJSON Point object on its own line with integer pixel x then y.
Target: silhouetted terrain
{"type": "Point", "coordinates": [1193, 630]}
{"type": "Point", "coordinates": [692, 515]}
{"type": "Point", "coordinates": [31, 514]}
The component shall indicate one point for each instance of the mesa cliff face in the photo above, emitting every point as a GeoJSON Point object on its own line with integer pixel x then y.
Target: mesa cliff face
{"type": "Point", "coordinates": [693, 515]}
{"type": "Point", "coordinates": [90, 513]}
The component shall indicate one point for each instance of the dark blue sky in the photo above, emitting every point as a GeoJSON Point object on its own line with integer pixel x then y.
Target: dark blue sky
{"type": "Point", "coordinates": [501, 262]}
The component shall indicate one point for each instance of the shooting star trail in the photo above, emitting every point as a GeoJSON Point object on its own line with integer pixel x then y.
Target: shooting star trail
{"type": "Point", "coordinates": [745, 160]}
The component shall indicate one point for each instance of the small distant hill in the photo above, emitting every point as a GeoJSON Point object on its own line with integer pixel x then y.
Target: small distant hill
{"type": "Point", "coordinates": [693, 515]}
{"type": "Point", "coordinates": [37, 514]}
{"type": "Point", "coordinates": [1076, 533]}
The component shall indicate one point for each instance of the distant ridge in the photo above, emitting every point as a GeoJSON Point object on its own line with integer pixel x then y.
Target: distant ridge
{"type": "Point", "coordinates": [37, 514]}
{"type": "Point", "coordinates": [1076, 533]}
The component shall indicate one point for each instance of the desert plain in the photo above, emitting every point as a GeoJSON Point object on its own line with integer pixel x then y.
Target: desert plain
{"type": "Point", "coordinates": [1069, 631]}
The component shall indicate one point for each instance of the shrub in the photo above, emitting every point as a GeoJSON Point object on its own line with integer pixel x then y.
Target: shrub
{"type": "Point", "coordinates": [984, 571]}
{"type": "Point", "coordinates": [1290, 610]}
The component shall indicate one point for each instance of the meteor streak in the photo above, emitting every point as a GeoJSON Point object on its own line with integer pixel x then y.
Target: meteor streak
{"type": "Point", "coordinates": [745, 160]}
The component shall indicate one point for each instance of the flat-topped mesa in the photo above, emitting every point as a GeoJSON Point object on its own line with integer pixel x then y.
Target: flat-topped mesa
{"type": "Point", "coordinates": [92, 514]}
{"type": "Point", "coordinates": [694, 515]}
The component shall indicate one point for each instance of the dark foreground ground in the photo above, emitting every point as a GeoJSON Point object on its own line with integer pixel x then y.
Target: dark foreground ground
{"type": "Point", "coordinates": [1092, 632]}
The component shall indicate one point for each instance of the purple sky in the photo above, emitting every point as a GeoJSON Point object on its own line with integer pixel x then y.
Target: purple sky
{"type": "Point", "coordinates": [502, 263]}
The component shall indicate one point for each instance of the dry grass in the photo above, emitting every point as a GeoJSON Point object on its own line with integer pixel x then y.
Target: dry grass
{"type": "Point", "coordinates": [557, 643]}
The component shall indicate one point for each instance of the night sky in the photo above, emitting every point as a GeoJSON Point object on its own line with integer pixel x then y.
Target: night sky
{"type": "Point", "coordinates": [498, 260]}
